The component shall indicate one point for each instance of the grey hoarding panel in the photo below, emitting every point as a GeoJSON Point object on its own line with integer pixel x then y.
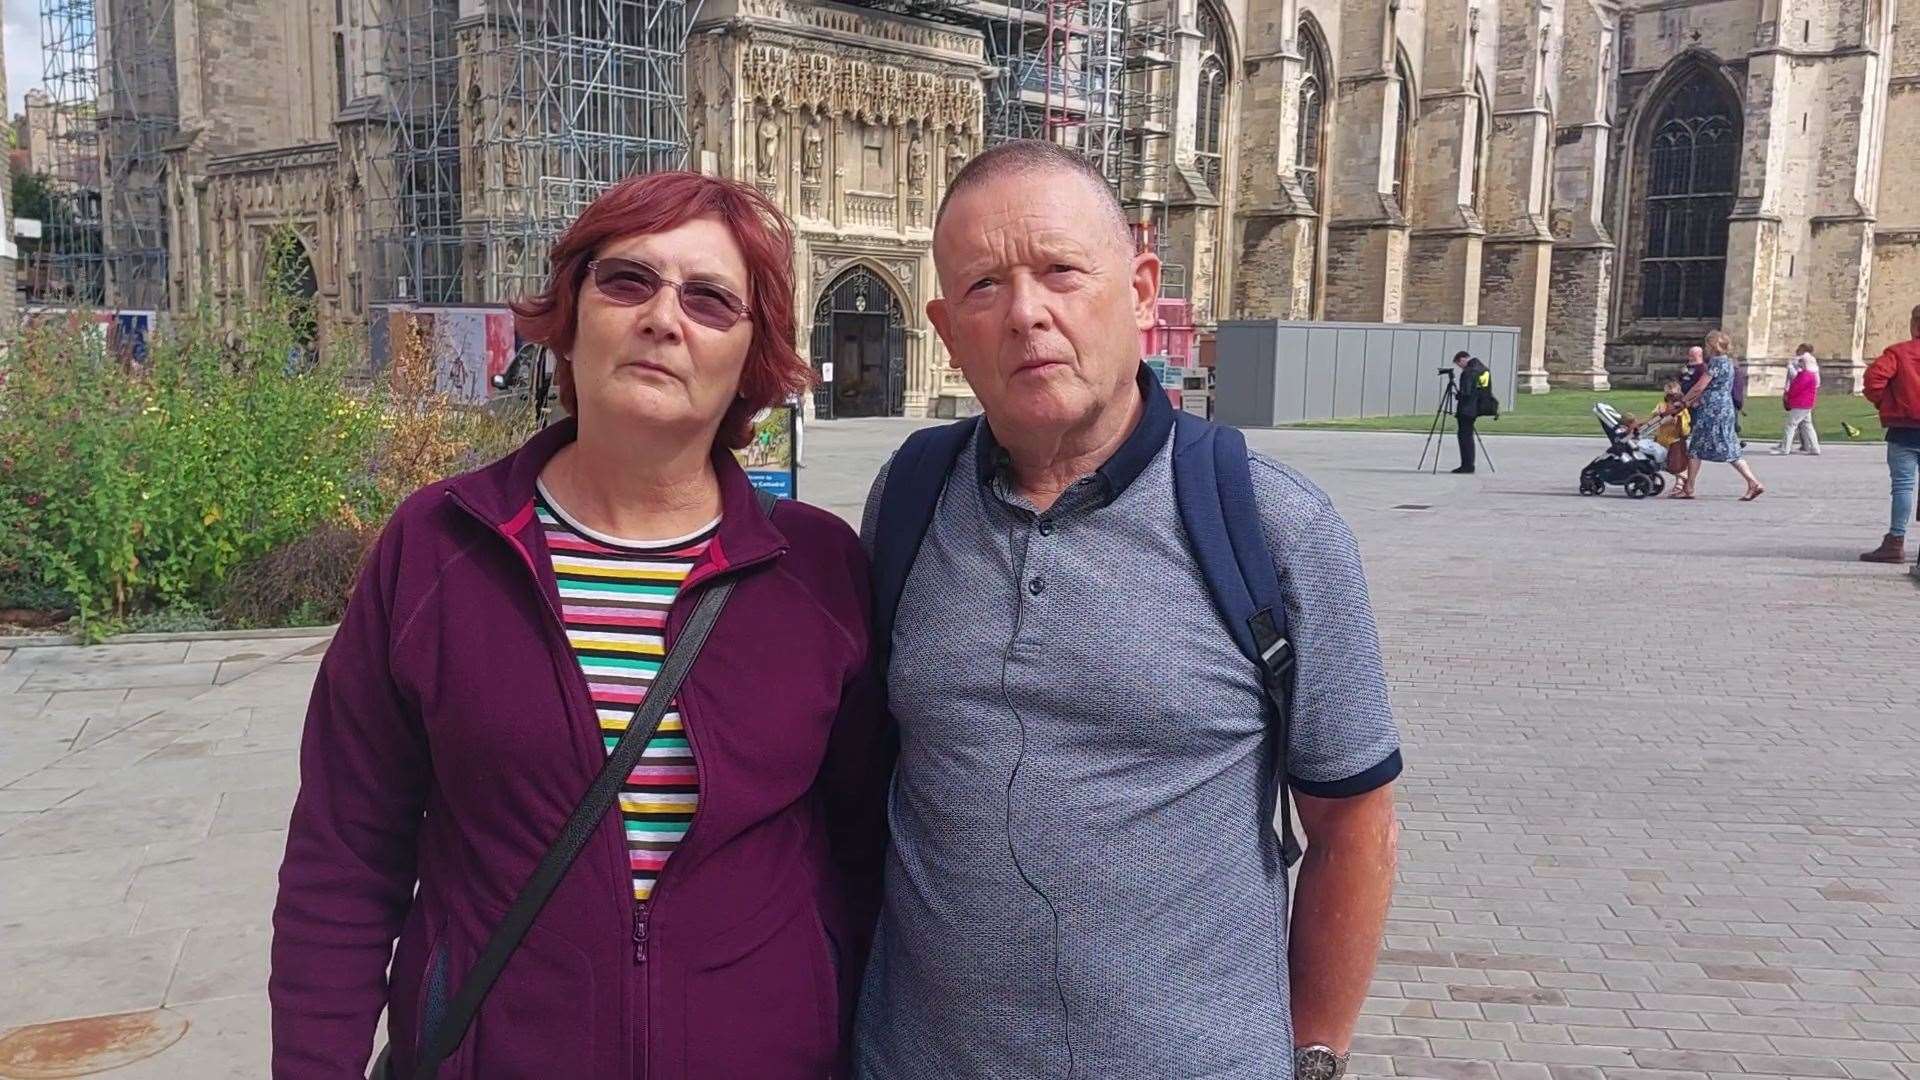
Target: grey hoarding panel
{"type": "Point", "coordinates": [1290, 369]}
{"type": "Point", "coordinates": [1350, 372]}
{"type": "Point", "coordinates": [1323, 352]}
{"type": "Point", "coordinates": [1376, 393]}
{"type": "Point", "coordinates": [1278, 372]}
{"type": "Point", "coordinates": [1244, 374]}
{"type": "Point", "coordinates": [1405, 397]}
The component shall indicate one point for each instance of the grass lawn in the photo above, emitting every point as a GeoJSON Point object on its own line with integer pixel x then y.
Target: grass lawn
{"type": "Point", "coordinates": [1570, 412]}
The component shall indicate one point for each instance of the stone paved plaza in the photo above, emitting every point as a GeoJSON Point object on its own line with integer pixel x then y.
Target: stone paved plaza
{"type": "Point", "coordinates": [1662, 802]}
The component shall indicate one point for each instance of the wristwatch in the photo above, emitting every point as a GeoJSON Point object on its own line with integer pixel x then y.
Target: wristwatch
{"type": "Point", "coordinates": [1318, 1063]}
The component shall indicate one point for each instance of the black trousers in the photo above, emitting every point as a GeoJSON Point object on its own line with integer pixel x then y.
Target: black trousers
{"type": "Point", "coordinates": [1465, 435]}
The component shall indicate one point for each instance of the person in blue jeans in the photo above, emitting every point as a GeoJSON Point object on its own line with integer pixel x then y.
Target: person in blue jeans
{"type": "Point", "coordinates": [1892, 383]}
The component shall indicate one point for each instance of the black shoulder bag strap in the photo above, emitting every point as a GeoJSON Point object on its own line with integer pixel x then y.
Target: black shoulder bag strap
{"type": "Point", "coordinates": [446, 1036]}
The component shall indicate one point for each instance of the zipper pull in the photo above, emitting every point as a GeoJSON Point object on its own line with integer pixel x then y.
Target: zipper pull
{"type": "Point", "coordinates": [640, 931]}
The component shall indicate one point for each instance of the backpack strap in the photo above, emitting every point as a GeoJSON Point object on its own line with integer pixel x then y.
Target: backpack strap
{"type": "Point", "coordinates": [915, 478]}
{"type": "Point", "coordinates": [1213, 486]}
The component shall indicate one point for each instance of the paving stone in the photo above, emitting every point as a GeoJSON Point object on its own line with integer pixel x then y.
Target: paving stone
{"type": "Point", "coordinates": [85, 827]}
{"type": "Point", "coordinates": [109, 678]}
{"type": "Point", "coordinates": [221, 962]}
{"type": "Point", "coordinates": [94, 977]}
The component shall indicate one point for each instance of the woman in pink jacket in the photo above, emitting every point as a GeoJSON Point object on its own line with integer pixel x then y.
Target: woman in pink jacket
{"type": "Point", "coordinates": [1803, 391]}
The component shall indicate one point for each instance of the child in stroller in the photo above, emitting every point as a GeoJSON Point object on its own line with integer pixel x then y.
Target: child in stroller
{"type": "Point", "coordinates": [1633, 456]}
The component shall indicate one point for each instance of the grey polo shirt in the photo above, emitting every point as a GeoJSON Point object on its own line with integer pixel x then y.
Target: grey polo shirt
{"type": "Point", "coordinates": [1084, 881]}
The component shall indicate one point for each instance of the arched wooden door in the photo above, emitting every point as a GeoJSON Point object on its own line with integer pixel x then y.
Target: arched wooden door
{"type": "Point", "coordinates": [859, 329]}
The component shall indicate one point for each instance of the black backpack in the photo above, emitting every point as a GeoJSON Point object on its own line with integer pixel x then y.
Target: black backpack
{"type": "Point", "coordinates": [1214, 490]}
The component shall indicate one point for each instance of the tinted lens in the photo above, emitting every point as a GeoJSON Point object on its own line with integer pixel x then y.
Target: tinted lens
{"type": "Point", "coordinates": [625, 282]}
{"type": "Point", "coordinates": [708, 305]}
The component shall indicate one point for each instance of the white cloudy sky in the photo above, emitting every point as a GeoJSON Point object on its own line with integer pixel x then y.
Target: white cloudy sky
{"type": "Point", "coordinates": [23, 50]}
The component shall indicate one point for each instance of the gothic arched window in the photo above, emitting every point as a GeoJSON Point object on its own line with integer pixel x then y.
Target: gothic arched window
{"type": "Point", "coordinates": [1210, 136]}
{"type": "Point", "coordinates": [1403, 133]}
{"type": "Point", "coordinates": [1309, 142]}
{"type": "Point", "coordinates": [1483, 143]}
{"type": "Point", "coordinates": [1693, 168]}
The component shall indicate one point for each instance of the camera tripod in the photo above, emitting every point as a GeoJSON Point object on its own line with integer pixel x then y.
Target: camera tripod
{"type": "Point", "coordinates": [1443, 412]}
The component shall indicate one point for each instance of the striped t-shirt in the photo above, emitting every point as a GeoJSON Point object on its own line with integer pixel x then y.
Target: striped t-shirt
{"type": "Point", "coordinates": [614, 596]}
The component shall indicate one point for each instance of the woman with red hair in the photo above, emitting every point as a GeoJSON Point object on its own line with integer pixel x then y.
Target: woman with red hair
{"type": "Point", "coordinates": [494, 672]}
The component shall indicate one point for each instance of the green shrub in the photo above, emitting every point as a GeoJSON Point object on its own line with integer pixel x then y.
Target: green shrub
{"type": "Point", "coordinates": [141, 488]}
{"type": "Point", "coordinates": [179, 619]}
{"type": "Point", "coordinates": [237, 477]}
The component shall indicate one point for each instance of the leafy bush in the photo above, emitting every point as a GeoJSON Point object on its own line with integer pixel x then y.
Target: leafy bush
{"type": "Point", "coordinates": [238, 471]}
{"type": "Point", "coordinates": [139, 487]}
{"type": "Point", "coordinates": [180, 619]}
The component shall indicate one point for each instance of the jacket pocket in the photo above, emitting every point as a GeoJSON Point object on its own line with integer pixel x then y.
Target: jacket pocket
{"type": "Point", "coordinates": [539, 1018]}
{"type": "Point", "coordinates": [766, 1005]}
{"type": "Point", "coordinates": [434, 993]}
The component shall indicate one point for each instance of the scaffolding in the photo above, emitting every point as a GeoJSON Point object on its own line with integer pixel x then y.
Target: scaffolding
{"type": "Point", "coordinates": [1096, 75]}
{"type": "Point", "coordinates": [114, 101]}
{"type": "Point", "coordinates": [72, 266]}
{"type": "Point", "coordinates": [499, 129]}
{"type": "Point", "coordinates": [139, 116]}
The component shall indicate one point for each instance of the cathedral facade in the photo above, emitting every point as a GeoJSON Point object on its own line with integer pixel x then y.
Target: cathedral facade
{"type": "Point", "coordinates": [1613, 177]}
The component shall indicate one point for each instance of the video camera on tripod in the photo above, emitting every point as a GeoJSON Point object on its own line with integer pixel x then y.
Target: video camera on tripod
{"type": "Point", "coordinates": [1443, 412]}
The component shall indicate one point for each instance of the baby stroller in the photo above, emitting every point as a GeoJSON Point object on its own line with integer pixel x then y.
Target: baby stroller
{"type": "Point", "coordinates": [1624, 464]}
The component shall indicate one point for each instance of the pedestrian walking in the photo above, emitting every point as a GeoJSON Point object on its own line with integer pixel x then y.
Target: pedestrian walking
{"type": "Point", "coordinates": [553, 625]}
{"type": "Point", "coordinates": [1801, 397]}
{"type": "Point", "coordinates": [1892, 383]}
{"type": "Point", "coordinates": [1714, 435]}
{"type": "Point", "coordinates": [1128, 639]}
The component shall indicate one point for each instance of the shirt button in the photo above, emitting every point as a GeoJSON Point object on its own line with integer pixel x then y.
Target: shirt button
{"type": "Point", "coordinates": [1046, 527]}
{"type": "Point", "coordinates": [1037, 586]}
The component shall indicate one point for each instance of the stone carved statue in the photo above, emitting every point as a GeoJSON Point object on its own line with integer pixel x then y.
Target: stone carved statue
{"type": "Point", "coordinates": [769, 145]}
{"type": "Point", "coordinates": [956, 155]}
{"type": "Point", "coordinates": [813, 151]}
{"type": "Point", "coordinates": [510, 158]}
{"type": "Point", "coordinates": [917, 164]}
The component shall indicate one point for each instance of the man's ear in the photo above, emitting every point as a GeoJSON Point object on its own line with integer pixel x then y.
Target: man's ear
{"type": "Point", "coordinates": [1146, 289]}
{"type": "Point", "coordinates": [937, 315]}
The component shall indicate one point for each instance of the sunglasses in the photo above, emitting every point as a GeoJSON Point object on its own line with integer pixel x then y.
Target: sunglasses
{"type": "Point", "coordinates": [627, 282]}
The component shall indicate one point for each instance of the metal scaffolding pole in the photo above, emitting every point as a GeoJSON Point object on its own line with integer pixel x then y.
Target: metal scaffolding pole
{"type": "Point", "coordinates": [502, 126]}
{"type": "Point", "coordinates": [72, 264]}
{"type": "Point", "coordinates": [1096, 75]}
{"type": "Point", "coordinates": [139, 115]}
{"type": "Point", "coordinates": [114, 98]}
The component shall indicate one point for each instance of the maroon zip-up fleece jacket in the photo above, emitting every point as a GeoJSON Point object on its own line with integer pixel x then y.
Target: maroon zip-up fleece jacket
{"type": "Point", "coordinates": [449, 736]}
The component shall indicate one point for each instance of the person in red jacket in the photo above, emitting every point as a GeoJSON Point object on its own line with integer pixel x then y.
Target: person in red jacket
{"type": "Point", "coordinates": [1892, 383]}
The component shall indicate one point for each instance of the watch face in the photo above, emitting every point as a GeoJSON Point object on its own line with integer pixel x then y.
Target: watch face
{"type": "Point", "coordinates": [1315, 1063]}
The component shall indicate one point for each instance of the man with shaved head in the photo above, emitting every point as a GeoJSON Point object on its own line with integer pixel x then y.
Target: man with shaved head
{"type": "Point", "coordinates": [1085, 879]}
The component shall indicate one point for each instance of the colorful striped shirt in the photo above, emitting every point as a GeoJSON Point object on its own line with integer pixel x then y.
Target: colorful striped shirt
{"type": "Point", "coordinates": [614, 596]}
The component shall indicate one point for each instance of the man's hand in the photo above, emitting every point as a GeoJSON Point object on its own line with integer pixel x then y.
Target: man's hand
{"type": "Point", "coordinates": [1340, 911]}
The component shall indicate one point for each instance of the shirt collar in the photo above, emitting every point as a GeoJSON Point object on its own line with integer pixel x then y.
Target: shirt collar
{"type": "Point", "coordinates": [1147, 439]}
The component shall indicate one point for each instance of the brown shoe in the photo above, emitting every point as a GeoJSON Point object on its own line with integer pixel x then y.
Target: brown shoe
{"type": "Point", "coordinates": [1892, 549]}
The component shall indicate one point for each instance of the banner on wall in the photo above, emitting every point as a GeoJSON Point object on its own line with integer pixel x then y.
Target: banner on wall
{"type": "Point", "coordinates": [129, 334]}
{"type": "Point", "coordinates": [123, 335]}
{"type": "Point", "coordinates": [768, 456]}
{"type": "Point", "coordinates": [468, 346]}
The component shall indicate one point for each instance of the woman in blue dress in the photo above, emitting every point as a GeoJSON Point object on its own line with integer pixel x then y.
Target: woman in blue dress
{"type": "Point", "coordinates": [1714, 437]}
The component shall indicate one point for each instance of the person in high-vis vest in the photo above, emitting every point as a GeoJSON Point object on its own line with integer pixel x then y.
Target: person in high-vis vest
{"type": "Point", "coordinates": [1474, 399]}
